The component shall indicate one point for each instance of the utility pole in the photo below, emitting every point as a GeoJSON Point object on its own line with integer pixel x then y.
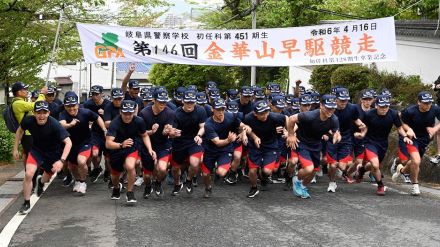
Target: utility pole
{"type": "Point", "coordinates": [57, 36]}
{"type": "Point", "coordinates": [254, 26]}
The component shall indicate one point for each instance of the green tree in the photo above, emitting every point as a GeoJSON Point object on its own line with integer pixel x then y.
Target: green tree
{"type": "Point", "coordinates": [321, 77]}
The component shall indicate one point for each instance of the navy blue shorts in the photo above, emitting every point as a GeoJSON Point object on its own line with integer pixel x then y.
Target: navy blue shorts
{"type": "Point", "coordinates": [148, 162]}
{"type": "Point", "coordinates": [359, 148]}
{"type": "Point", "coordinates": [210, 159]}
{"type": "Point", "coordinates": [83, 150]}
{"type": "Point", "coordinates": [340, 152]}
{"type": "Point", "coordinates": [42, 161]}
{"type": "Point", "coordinates": [119, 156]}
{"type": "Point", "coordinates": [419, 145]}
{"type": "Point", "coordinates": [179, 157]}
{"type": "Point", "coordinates": [98, 142]}
{"type": "Point", "coordinates": [309, 155]}
{"type": "Point", "coordinates": [373, 150]}
{"type": "Point", "coordinates": [262, 158]}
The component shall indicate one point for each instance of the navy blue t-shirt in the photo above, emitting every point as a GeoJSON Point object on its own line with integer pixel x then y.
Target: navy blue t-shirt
{"type": "Point", "coordinates": [111, 112]}
{"type": "Point", "coordinates": [47, 138]}
{"type": "Point", "coordinates": [266, 131]}
{"type": "Point", "coordinates": [311, 128]}
{"type": "Point", "coordinates": [158, 140]}
{"type": "Point", "coordinates": [419, 121]}
{"type": "Point", "coordinates": [188, 123]}
{"type": "Point", "coordinates": [54, 110]}
{"type": "Point", "coordinates": [170, 104]}
{"type": "Point", "coordinates": [245, 108]}
{"type": "Point", "coordinates": [346, 117]}
{"type": "Point", "coordinates": [214, 129]}
{"type": "Point", "coordinates": [80, 133]}
{"type": "Point", "coordinates": [379, 127]}
{"type": "Point", "coordinates": [137, 99]}
{"type": "Point", "coordinates": [122, 131]}
{"type": "Point", "coordinates": [91, 105]}
{"type": "Point", "coordinates": [208, 110]}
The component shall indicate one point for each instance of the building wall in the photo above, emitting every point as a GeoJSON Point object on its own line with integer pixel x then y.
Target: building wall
{"type": "Point", "coordinates": [2, 96]}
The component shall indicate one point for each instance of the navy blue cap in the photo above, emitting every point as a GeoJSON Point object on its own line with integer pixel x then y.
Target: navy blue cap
{"type": "Point", "coordinates": [161, 95]}
{"type": "Point", "coordinates": [96, 89]}
{"type": "Point", "coordinates": [367, 94]}
{"type": "Point", "coordinates": [306, 99]}
{"type": "Point", "coordinates": [201, 98]}
{"type": "Point", "coordinates": [274, 87]}
{"type": "Point", "coordinates": [145, 90]}
{"type": "Point", "coordinates": [342, 93]}
{"type": "Point", "coordinates": [288, 98]}
{"type": "Point", "coordinates": [128, 106]}
{"type": "Point", "coordinates": [315, 97]}
{"type": "Point", "coordinates": [231, 92]}
{"type": "Point", "coordinates": [425, 97]}
{"type": "Point", "coordinates": [261, 106]}
{"type": "Point", "coordinates": [259, 94]}
{"type": "Point", "coordinates": [133, 84]}
{"type": "Point", "coordinates": [41, 106]}
{"type": "Point", "coordinates": [373, 92]}
{"type": "Point", "coordinates": [70, 98]}
{"type": "Point", "coordinates": [35, 93]}
{"type": "Point", "coordinates": [295, 103]}
{"type": "Point", "coordinates": [329, 101]}
{"type": "Point", "coordinates": [386, 92]}
{"type": "Point", "coordinates": [148, 96]}
{"type": "Point", "coordinates": [279, 102]}
{"type": "Point", "coordinates": [192, 87]}
{"type": "Point", "coordinates": [19, 86]}
{"type": "Point", "coordinates": [219, 103]}
{"type": "Point", "coordinates": [117, 93]}
{"type": "Point", "coordinates": [302, 90]}
{"type": "Point", "coordinates": [50, 90]}
{"type": "Point", "coordinates": [211, 84]}
{"type": "Point", "coordinates": [334, 89]}
{"type": "Point", "coordinates": [214, 93]}
{"type": "Point", "coordinates": [246, 91]}
{"type": "Point", "coordinates": [189, 96]}
{"type": "Point", "coordinates": [178, 93]}
{"type": "Point", "coordinates": [232, 106]}
{"type": "Point", "coordinates": [383, 100]}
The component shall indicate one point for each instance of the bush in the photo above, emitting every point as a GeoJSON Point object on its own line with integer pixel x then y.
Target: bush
{"type": "Point", "coordinates": [321, 78]}
{"type": "Point", "coordinates": [6, 141]}
{"type": "Point", "coordinates": [354, 77]}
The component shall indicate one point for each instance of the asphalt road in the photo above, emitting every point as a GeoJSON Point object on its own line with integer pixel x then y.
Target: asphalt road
{"type": "Point", "coordinates": [354, 216]}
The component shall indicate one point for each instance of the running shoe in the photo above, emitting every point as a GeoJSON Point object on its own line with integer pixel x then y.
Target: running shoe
{"type": "Point", "coordinates": [305, 193]}
{"type": "Point", "coordinates": [189, 186]}
{"type": "Point", "coordinates": [360, 174]}
{"type": "Point", "coordinates": [332, 187]}
{"type": "Point", "coordinates": [208, 192]}
{"type": "Point", "coordinates": [398, 176]}
{"type": "Point", "coordinates": [40, 186]}
{"type": "Point", "coordinates": [297, 186]}
{"type": "Point", "coordinates": [177, 189]}
{"type": "Point", "coordinates": [139, 181]}
{"type": "Point", "coordinates": [95, 174]}
{"type": "Point", "coordinates": [380, 190]}
{"type": "Point", "coordinates": [253, 192]}
{"type": "Point", "coordinates": [82, 188]}
{"type": "Point", "coordinates": [68, 180]}
{"type": "Point", "coordinates": [393, 166]}
{"type": "Point", "coordinates": [106, 176]}
{"type": "Point", "coordinates": [231, 178]}
{"type": "Point", "coordinates": [147, 191]}
{"type": "Point", "coordinates": [116, 194]}
{"type": "Point", "coordinates": [407, 178]}
{"type": "Point", "coordinates": [25, 208]}
{"type": "Point", "coordinates": [415, 190]}
{"type": "Point", "coordinates": [158, 188]}
{"type": "Point", "coordinates": [435, 159]}
{"type": "Point", "coordinates": [130, 197]}
{"type": "Point", "coordinates": [195, 182]}
{"type": "Point", "coordinates": [313, 180]}
{"type": "Point", "coordinates": [76, 186]}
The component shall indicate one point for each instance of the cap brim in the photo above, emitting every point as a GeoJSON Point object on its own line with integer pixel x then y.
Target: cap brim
{"type": "Point", "coordinates": [42, 109]}
{"type": "Point", "coordinates": [330, 106]}
{"type": "Point", "coordinates": [262, 110]}
{"type": "Point", "coordinates": [118, 97]}
{"type": "Point", "coordinates": [71, 103]}
{"type": "Point", "coordinates": [127, 110]}
{"type": "Point", "coordinates": [189, 100]}
{"type": "Point", "coordinates": [343, 98]}
{"type": "Point", "coordinates": [247, 94]}
{"type": "Point", "coordinates": [427, 101]}
{"type": "Point", "coordinates": [232, 111]}
{"type": "Point", "coordinates": [383, 104]}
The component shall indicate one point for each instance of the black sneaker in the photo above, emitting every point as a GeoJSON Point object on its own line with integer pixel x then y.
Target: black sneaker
{"type": "Point", "coordinates": [208, 192]}
{"type": "Point", "coordinates": [106, 176]}
{"type": "Point", "coordinates": [110, 184]}
{"type": "Point", "coordinates": [40, 186]}
{"type": "Point", "coordinates": [177, 189]}
{"type": "Point", "coordinates": [264, 182]}
{"type": "Point", "coordinates": [147, 192]}
{"type": "Point", "coordinates": [25, 208]}
{"type": "Point", "coordinates": [253, 192]}
{"type": "Point", "coordinates": [195, 182]}
{"type": "Point", "coordinates": [60, 175]}
{"type": "Point", "coordinates": [189, 186]}
{"type": "Point", "coordinates": [68, 180]}
{"type": "Point", "coordinates": [289, 184]}
{"type": "Point", "coordinates": [158, 188]}
{"type": "Point", "coordinates": [116, 194]}
{"type": "Point", "coordinates": [130, 197]}
{"type": "Point", "coordinates": [231, 178]}
{"type": "Point", "coordinates": [95, 174]}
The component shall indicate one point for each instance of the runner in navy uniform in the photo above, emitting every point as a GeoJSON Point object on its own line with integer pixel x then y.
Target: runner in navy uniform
{"type": "Point", "coordinates": [244, 102]}
{"type": "Point", "coordinates": [202, 101]}
{"type": "Point", "coordinates": [54, 107]}
{"type": "Point", "coordinates": [419, 123]}
{"type": "Point", "coordinates": [47, 150]}
{"type": "Point", "coordinates": [339, 156]}
{"type": "Point", "coordinates": [312, 127]}
{"type": "Point", "coordinates": [97, 104]}
{"type": "Point", "coordinates": [258, 95]}
{"type": "Point", "coordinates": [189, 122]}
{"type": "Point", "coordinates": [220, 134]}
{"type": "Point", "coordinates": [231, 94]}
{"type": "Point", "coordinates": [133, 88]}
{"type": "Point", "coordinates": [159, 120]}
{"type": "Point", "coordinates": [76, 121]}
{"type": "Point", "coordinates": [122, 142]}
{"type": "Point", "coordinates": [379, 122]}
{"type": "Point", "coordinates": [263, 147]}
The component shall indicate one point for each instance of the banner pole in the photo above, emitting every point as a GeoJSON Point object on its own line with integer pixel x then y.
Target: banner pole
{"type": "Point", "coordinates": [52, 55]}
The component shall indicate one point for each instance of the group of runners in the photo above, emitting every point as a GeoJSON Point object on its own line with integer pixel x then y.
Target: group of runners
{"type": "Point", "coordinates": [266, 135]}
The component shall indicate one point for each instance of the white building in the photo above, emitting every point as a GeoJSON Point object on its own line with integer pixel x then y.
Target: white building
{"type": "Point", "coordinates": [173, 21]}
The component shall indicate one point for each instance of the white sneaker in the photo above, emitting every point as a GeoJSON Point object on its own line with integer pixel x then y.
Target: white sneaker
{"type": "Point", "coordinates": [339, 173]}
{"type": "Point", "coordinates": [139, 181]}
{"type": "Point", "coordinates": [393, 166]}
{"type": "Point", "coordinates": [82, 188]}
{"type": "Point", "coordinates": [313, 180]}
{"type": "Point", "coordinates": [415, 191]}
{"type": "Point", "coordinates": [76, 186]}
{"type": "Point", "coordinates": [332, 187]}
{"type": "Point", "coordinates": [320, 173]}
{"type": "Point", "coordinates": [435, 159]}
{"type": "Point", "coordinates": [407, 178]}
{"type": "Point", "coordinates": [398, 176]}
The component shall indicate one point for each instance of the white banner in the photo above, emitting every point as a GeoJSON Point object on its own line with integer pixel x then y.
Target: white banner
{"type": "Point", "coordinates": [349, 42]}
